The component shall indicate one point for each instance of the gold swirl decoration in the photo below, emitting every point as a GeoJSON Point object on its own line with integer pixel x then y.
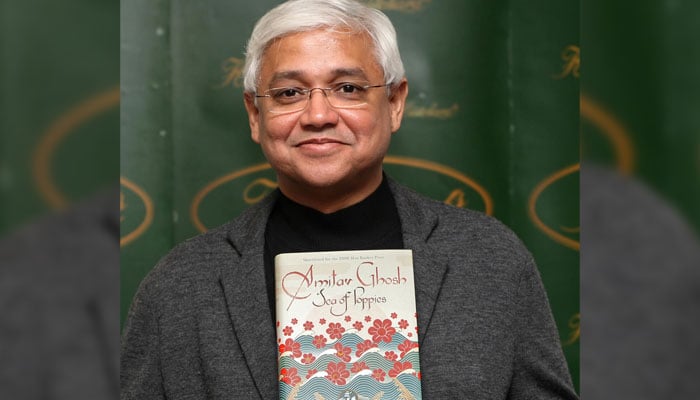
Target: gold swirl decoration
{"type": "Point", "coordinates": [259, 188]}
{"type": "Point", "coordinates": [532, 208]}
{"type": "Point", "coordinates": [147, 204]}
{"type": "Point", "coordinates": [614, 131]}
{"type": "Point", "coordinates": [448, 171]}
{"type": "Point", "coordinates": [57, 131]}
{"type": "Point", "coordinates": [575, 326]}
{"type": "Point", "coordinates": [194, 207]}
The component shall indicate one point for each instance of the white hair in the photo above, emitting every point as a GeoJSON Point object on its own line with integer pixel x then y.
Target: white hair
{"type": "Point", "coordinates": [296, 16]}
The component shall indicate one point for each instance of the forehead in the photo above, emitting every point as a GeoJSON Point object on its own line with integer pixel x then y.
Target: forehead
{"type": "Point", "coordinates": [319, 55]}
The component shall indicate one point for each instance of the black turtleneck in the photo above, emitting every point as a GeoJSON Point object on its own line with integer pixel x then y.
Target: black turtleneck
{"type": "Point", "coordinates": [370, 224]}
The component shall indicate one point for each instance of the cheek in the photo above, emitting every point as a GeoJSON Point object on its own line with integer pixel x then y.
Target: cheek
{"type": "Point", "coordinates": [364, 124]}
{"type": "Point", "coordinates": [277, 127]}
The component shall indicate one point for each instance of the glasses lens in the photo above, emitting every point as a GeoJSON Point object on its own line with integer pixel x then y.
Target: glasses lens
{"type": "Point", "coordinates": [293, 99]}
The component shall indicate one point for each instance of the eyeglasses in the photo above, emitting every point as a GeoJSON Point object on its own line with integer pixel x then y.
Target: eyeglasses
{"type": "Point", "coordinates": [341, 95]}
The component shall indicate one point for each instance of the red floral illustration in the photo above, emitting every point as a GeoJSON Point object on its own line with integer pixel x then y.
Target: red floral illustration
{"type": "Point", "coordinates": [364, 346]}
{"type": "Point", "coordinates": [294, 321]}
{"type": "Point", "coordinates": [381, 330]}
{"type": "Point", "coordinates": [337, 373]}
{"type": "Point", "coordinates": [403, 324]}
{"type": "Point", "coordinates": [410, 334]}
{"type": "Point", "coordinates": [291, 345]}
{"type": "Point", "coordinates": [290, 376]}
{"type": "Point", "coordinates": [287, 331]}
{"type": "Point", "coordinates": [359, 366]}
{"type": "Point", "coordinates": [378, 374]}
{"type": "Point", "coordinates": [347, 318]}
{"type": "Point", "coordinates": [407, 346]}
{"type": "Point", "coordinates": [322, 321]}
{"type": "Point", "coordinates": [391, 356]}
{"type": "Point", "coordinates": [368, 318]}
{"type": "Point", "coordinates": [335, 331]}
{"type": "Point", "coordinates": [311, 373]}
{"type": "Point", "coordinates": [308, 325]}
{"type": "Point", "coordinates": [342, 352]}
{"type": "Point", "coordinates": [358, 325]}
{"type": "Point", "coordinates": [319, 341]}
{"type": "Point", "coordinates": [393, 315]}
{"type": "Point", "coordinates": [399, 367]}
{"type": "Point", "coordinates": [308, 358]}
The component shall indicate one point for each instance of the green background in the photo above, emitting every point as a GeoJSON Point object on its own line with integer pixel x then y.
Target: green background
{"type": "Point", "coordinates": [56, 64]}
{"type": "Point", "coordinates": [490, 117]}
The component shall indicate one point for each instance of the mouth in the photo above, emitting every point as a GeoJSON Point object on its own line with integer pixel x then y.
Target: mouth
{"type": "Point", "coordinates": [318, 141]}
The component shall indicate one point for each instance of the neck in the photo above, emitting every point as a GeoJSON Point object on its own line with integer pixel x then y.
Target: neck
{"type": "Point", "coordinates": [329, 199]}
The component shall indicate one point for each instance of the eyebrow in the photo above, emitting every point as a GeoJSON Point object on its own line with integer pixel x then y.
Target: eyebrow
{"type": "Point", "coordinates": [336, 73]}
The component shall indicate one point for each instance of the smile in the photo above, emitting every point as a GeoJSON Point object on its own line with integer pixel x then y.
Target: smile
{"type": "Point", "coordinates": [318, 141]}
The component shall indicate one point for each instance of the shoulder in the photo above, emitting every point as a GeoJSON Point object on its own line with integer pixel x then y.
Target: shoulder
{"type": "Point", "coordinates": [452, 225]}
{"type": "Point", "coordinates": [464, 236]}
{"type": "Point", "coordinates": [197, 262]}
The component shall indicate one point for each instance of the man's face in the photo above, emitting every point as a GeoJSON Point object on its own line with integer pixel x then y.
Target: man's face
{"type": "Point", "coordinates": [322, 147]}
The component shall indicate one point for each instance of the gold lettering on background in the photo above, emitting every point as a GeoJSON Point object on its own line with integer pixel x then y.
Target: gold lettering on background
{"type": "Point", "coordinates": [397, 5]}
{"type": "Point", "coordinates": [571, 55]}
{"type": "Point", "coordinates": [456, 198]}
{"type": "Point", "coordinates": [233, 69]}
{"type": "Point", "coordinates": [412, 110]}
{"type": "Point", "coordinates": [575, 326]}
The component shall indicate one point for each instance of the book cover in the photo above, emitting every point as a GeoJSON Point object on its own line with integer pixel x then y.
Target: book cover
{"type": "Point", "coordinates": [346, 325]}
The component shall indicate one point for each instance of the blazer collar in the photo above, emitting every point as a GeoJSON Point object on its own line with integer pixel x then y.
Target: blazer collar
{"type": "Point", "coordinates": [243, 282]}
{"type": "Point", "coordinates": [418, 222]}
{"type": "Point", "coordinates": [247, 299]}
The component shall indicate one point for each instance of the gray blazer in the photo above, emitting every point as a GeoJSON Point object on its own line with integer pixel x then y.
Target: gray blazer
{"type": "Point", "coordinates": [200, 324]}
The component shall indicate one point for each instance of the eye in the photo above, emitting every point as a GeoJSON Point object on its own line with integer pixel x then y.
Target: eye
{"type": "Point", "coordinates": [286, 93]}
{"type": "Point", "coordinates": [348, 88]}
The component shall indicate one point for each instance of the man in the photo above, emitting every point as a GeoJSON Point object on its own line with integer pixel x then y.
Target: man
{"type": "Point", "coordinates": [325, 90]}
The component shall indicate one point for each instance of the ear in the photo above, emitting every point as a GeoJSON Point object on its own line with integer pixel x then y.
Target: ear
{"type": "Point", "coordinates": [253, 116]}
{"type": "Point", "coordinates": [397, 103]}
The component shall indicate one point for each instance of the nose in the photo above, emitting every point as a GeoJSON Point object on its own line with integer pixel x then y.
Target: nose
{"type": "Point", "coordinates": [318, 112]}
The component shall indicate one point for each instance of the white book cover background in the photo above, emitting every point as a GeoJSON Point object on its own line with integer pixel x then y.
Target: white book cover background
{"type": "Point", "coordinates": [346, 325]}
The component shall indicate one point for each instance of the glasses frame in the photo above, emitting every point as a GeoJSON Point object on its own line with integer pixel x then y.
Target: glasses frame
{"type": "Point", "coordinates": [307, 92]}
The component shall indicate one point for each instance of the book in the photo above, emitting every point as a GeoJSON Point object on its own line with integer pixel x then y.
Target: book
{"type": "Point", "coordinates": [347, 325]}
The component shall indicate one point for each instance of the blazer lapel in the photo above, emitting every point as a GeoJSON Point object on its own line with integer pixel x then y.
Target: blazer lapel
{"type": "Point", "coordinates": [245, 290]}
{"type": "Point", "coordinates": [429, 264]}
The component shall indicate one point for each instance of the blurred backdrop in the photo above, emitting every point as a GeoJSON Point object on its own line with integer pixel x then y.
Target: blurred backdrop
{"type": "Point", "coordinates": [640, 190]}
{"type": "Point", "coordinates": [59, 110]}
